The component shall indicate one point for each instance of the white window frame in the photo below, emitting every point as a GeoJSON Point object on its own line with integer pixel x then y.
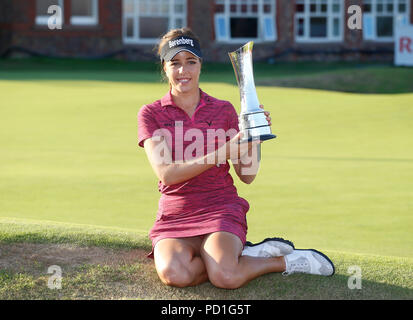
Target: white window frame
{"type": "Point", "coordinates": [330, 15]}
{"type": "Point", "coordinates": [43, 20]}
{"type": "Point", "coordinates": [371, 17]}
{"type": "Point", "coordinates": [171, 15]}
{"type": "Point", "coordinates": [224, 19]}
{"type": "Point", "coordinates": [90, 20]}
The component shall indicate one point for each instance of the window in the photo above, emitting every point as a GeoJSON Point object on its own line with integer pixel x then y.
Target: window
{"type": "Point", "coordinates": [42, 16]}
{"type": "Point", "coordinates": [381, 16]}
{"type": "Point", "coordinates": [145, 20]}
{"type": "Point", "coordinates": [244, 20]}
{"type": "Point", "coordinates": [318, 20]}
{"type": "Point", "coordinates": [84, 12]}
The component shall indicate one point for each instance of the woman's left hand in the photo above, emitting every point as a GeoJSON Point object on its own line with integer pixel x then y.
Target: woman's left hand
{"type": "Point", "coordinates": [267, 115]}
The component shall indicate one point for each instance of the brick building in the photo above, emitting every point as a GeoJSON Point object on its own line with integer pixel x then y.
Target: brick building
{"type": "Point", "coordinates": [281, 29]}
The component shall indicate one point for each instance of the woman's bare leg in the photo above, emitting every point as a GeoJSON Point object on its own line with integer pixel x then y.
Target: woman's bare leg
{"type": "Point", "coordinates": [178, 263]}
{"type": "Point", "coordinates": [226, 268]}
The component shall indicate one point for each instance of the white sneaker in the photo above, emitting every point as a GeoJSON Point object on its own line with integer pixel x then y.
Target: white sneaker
{"type": "Point", "coordinates": [308, 261]}
{"type": "Point", "coordinates": [270, 247]}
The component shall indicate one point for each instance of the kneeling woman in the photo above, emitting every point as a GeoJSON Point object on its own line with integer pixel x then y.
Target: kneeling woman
{"type": "Point", "coordinates": [200, 229]}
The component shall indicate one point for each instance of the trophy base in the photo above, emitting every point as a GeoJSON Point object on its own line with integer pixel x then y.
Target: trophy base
{"type": "Point", "coordinates": [255, 126]}
{"type": "Point", "coordinates": [262, 137]}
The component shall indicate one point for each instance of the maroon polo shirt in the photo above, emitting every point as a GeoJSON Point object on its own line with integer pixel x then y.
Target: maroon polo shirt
{"type": "Point", "coordinates": [208, 202]}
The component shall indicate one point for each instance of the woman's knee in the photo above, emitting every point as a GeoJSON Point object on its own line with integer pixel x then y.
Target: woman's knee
{"type": "Point", "coordinates": [175, 275]}
{"type": "Point", "coordinates": [172, 262]}
{"type": "Point", "coordinates": [224, 278]}
{"type": "Point", "coordinates": [221, 252]}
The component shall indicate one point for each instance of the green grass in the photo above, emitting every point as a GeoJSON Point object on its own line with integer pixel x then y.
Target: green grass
{"type": "Point", "coordinates": [382, 277]}
{"type": "Point", "coordinates": [339, 177]}
{"type": "Point", "coordinates": [36, 231]}
{"type": "Point", "coordinates": [336, 76]}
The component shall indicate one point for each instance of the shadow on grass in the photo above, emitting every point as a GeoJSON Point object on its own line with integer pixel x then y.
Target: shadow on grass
{"type": "Point", "coordinates": [139, 281]}
{"type": "Point", "coordinates": [303, 287]}
{"type": "Point", "coordinates": [333, 76]}
{"type": "Point", "coordinates": [130, 275]}
{"type": "Point", "coordinates": [379, 281]}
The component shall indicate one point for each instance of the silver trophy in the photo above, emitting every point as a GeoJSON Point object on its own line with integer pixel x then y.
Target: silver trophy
{"type": "Point", "coordinates": [252, 120]}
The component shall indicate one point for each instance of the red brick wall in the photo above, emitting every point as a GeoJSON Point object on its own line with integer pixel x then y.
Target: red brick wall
{"type": "Point", "coordinates": [18, 28]}
{"type": "Point", "coordinates": [71, 40]}
{"type": "Point", "coordinates": [352, 38]}
{"type": "Point", "coordinates": [110, 19]}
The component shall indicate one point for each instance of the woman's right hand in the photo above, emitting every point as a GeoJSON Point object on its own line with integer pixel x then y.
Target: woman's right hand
{"type": "Point", "coordinates": [235, 150]}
